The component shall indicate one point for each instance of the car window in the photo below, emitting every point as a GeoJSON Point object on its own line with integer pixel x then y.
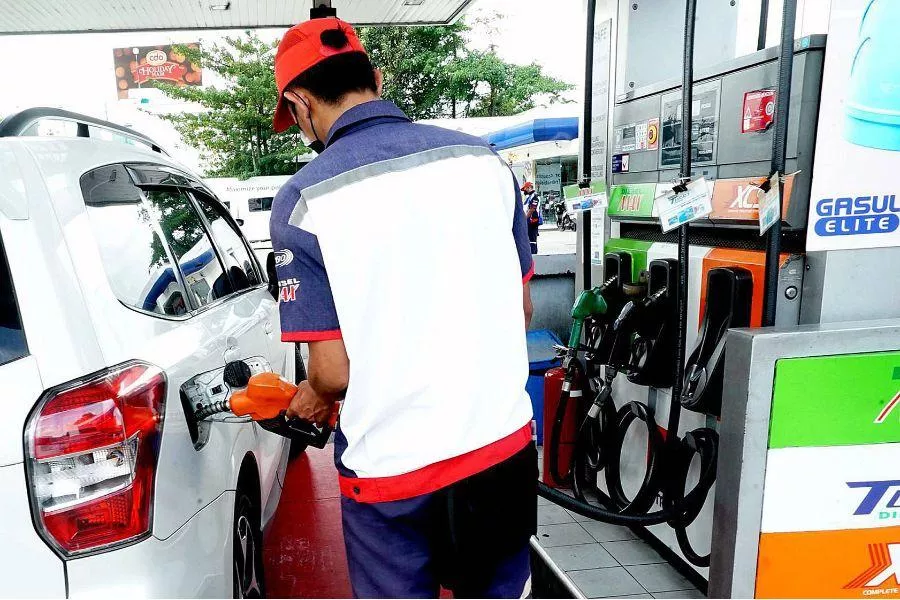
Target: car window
{"type": "Point", "coordinates": [182, 226]}
{"type": "Point", "coordinates": [260, 204]}
{"type": "Point", "coordinates": [232, 249]}
{"type": "Point", "coordinates": [137, 262]}
{"type": "Point", "coordinates": [12, 337]}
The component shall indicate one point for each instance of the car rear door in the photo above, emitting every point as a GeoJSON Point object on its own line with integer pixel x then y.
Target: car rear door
{"type": "Point", "coordinates": [259, 309]}
{"type": "Point", "coordinates": [223, 289]}
{"type": "Point", "coordinates": [38, 572]}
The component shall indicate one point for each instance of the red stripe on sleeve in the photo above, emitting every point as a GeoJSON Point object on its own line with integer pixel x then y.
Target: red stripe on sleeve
{"type": "Point", "coordinates": [527, 277]}
{"type": "Point", "coordinates": [311, 336]}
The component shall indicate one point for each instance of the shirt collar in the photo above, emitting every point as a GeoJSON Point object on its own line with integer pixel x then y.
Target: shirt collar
{"type": "Point", "coordinates": [374, 109]}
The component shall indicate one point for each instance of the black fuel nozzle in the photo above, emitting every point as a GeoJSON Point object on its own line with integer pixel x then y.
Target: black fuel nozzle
{"type": "Point", "coordinates": [729, 294]}
{"type": "Point", "coordinates": [654, 326]}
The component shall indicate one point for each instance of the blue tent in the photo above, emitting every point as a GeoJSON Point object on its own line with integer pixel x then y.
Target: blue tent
{"type": "Point", "coordinates": [536, 130]}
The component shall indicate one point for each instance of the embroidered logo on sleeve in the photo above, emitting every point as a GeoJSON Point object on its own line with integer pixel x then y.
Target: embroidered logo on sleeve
{"type": "Point", "coordinates": [283, 258]}
{"type": "Point", "coordinates": [288, 289]}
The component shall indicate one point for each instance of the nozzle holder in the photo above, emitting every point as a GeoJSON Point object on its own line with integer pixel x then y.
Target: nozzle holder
{"type": "Point", "coordinates": [656, 321]}
{"type": "Point", "coordinates": [729, 296]}
{"type": "Point", "coordinates": [617, 273]}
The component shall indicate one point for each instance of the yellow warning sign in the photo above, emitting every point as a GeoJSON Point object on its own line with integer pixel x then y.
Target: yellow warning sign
{"type": "Point", "coordinates": [653, 134]}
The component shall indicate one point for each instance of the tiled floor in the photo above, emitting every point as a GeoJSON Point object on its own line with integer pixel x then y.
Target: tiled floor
{"type": "Point", "coordinates": [607, 561]}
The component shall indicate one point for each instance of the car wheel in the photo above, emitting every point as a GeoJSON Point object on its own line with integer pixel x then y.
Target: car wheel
{"type": "Point", "coordinates": [247, 544]}
{"type": "Point", "coordinates": [297, 447]}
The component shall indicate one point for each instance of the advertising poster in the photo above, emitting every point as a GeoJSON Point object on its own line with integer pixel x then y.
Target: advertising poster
{"type": "Point", "coordinates": [548, 178]}
{"type": "Point", "coordinates": [141, 67]}
{"type": "Point", "coordinates": [855, 197]}
{"type": "Point", "coordinates": [703, 126]}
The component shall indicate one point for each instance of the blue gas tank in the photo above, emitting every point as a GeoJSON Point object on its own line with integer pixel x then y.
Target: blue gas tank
{"type": "Point", "coordinates": [873, 102]}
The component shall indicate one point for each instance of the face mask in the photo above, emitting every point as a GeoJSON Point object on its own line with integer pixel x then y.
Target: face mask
{"type": "Point", "coordinates": [316, 146]}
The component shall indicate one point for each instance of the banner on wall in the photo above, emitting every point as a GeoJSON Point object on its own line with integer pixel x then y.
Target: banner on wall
{"type": "Point", "coordinates": [141, 67]}
{"type": "Point", "coordinates": [855, 197]}
{"type": "Point", "coordinates": [548, 178]}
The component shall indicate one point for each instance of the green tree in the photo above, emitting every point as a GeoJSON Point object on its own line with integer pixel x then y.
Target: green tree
{"type": "Point", "coordinates": [429, 73]}
{"type": "Point", "coordinates": [234, 126]}
{"type": "Point", "coordinates": [416, 63]}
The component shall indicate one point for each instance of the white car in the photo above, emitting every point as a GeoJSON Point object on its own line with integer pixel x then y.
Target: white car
{"type": "Point", "coordinates": [125, 288]}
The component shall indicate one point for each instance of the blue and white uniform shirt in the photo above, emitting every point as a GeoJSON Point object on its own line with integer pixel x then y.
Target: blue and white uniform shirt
{"type": "Point", "coordinates": [370, 249]}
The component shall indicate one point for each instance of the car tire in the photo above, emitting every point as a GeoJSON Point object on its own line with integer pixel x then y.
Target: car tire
{"type": "Point", "coordinates": [247, 565]}
{"type": "Point", "coordinates": [297, 447]}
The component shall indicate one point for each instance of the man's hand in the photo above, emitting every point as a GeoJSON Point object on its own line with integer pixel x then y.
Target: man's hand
{"type": "Point", "coordinates": [310, 406]}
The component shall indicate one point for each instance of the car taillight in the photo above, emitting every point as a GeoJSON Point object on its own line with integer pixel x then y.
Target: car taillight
{"type": "Point", "coordinates": [92, 448]}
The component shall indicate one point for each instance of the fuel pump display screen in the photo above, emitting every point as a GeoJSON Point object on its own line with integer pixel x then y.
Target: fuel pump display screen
{"type": "Point", "coordinates": [703, 130]}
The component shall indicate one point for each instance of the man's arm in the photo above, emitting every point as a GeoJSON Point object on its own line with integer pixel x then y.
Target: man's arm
{"type": "Point", "coordinates": [526, 304]}
{"type": "Point", "coordinates": [329, 375]}
{"type": "Point", "coordinates": [329, 368]}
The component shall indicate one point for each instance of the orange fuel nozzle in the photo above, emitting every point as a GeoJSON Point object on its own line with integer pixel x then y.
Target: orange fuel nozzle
{"type": "Point", "coordinates": [265, 397]}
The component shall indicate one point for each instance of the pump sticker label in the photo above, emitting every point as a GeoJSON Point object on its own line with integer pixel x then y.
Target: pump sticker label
{"type": "Point", "coordinates": [679, 208]}
{"type": "Point", "coordinates": [859, 215]}
{"type": "Point", "coordinates": [738, 199]}
{"type": "Point", "coordinates": [632, 200]}
{"type": "Point", "coordinates": [580, 199]}
{"type": "Point", "coordinates": [653, 134]}
{"type": "Point", "coordinates": [759, 111]}
{"type": "Point", "coordinates": [856, 563]}
{"type": "Point", "coordinates": [856, 487]}
{"type": "Point", "coordinates": [814, 390]}
{"type": "Point", "coordinates": [636, 137]}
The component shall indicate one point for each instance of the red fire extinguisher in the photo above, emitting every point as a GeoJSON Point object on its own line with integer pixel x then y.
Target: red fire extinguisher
{"type": "Point", "coordinates": [565, 445]}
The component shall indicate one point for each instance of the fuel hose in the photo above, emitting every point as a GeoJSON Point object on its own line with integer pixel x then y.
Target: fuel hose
{"type": "Point", "coordinates": [679, 509]}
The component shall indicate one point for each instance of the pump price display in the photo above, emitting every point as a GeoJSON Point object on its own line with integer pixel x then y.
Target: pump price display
{"type": "Point", "coordinates": [676, 209]}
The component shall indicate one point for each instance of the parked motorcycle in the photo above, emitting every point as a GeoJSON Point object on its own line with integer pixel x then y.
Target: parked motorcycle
{"type": "Point", "coordinates": [564, 221]}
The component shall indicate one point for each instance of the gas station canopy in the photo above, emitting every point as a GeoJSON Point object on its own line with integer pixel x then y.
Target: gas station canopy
{"type": "Point", "coordinates": [65, 16]}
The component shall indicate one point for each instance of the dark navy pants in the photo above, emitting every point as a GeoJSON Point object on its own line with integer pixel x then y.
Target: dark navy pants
{"type": "Point", "coordinates": [532, 238]}
{"type": "Point", "coordinates": [471, 537]}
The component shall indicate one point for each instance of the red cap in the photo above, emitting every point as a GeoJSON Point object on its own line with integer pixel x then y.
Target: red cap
{"type": "Point", "coordinates": [527, 186]}
{"type": "Point", "coordinates": [301, 48]}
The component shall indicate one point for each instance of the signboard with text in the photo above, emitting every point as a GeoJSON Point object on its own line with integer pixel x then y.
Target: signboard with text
{"type": "Point", "coordinates": [140, 67]}
{"type": "Point", "coordinates": [831, 509]}
{"type": "Point", "coordinates": [855, 196]}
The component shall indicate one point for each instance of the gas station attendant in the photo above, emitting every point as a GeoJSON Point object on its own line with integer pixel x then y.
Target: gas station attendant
{"type": "Point", "coordinates": [415, 320]}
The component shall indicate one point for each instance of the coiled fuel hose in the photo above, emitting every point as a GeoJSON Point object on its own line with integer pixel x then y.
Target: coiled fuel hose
{"type": "Point", "coordinates": [598, 447]}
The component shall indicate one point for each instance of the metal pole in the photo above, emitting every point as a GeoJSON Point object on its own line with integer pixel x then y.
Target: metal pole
{"type": "Point", "coordinates": [779, 155]}
{"type": "Point", "coordinates": [687, 103]}
{"type": "Point", "coordinates": [763, 24]}
{"type": "Point", "coordinates": [586, 145]}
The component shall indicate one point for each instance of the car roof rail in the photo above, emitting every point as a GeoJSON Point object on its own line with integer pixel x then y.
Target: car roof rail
{"type": "Point", "coordinates": [17, 124]}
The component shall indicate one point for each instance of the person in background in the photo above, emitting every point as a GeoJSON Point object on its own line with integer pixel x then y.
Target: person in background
{"type": "Point", "coordinates": [531, 204]}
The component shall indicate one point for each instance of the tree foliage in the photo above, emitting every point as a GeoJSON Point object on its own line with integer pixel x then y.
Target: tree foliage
{"type": "Point", "coordinates": [233, 129]}
{"type": "Point", "coordinates": [430, 72]}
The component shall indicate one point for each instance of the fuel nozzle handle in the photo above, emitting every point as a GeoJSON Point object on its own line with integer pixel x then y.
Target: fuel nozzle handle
{"type": "Point", "coordinates": [265, 398]}
{"type": "Point", "coordinates": [636, 307]}
{"type": "Point", "coordinates": [589, 302]}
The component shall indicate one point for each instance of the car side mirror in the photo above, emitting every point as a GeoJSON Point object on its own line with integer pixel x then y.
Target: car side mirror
{"type": "Point", "coordinates": [272, 275]}
{"type": "Point", "coordinates": [240, 222]}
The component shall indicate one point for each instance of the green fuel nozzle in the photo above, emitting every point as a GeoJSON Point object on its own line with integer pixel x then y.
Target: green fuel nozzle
{"type": "Point", "coordinates": [589, 302]}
